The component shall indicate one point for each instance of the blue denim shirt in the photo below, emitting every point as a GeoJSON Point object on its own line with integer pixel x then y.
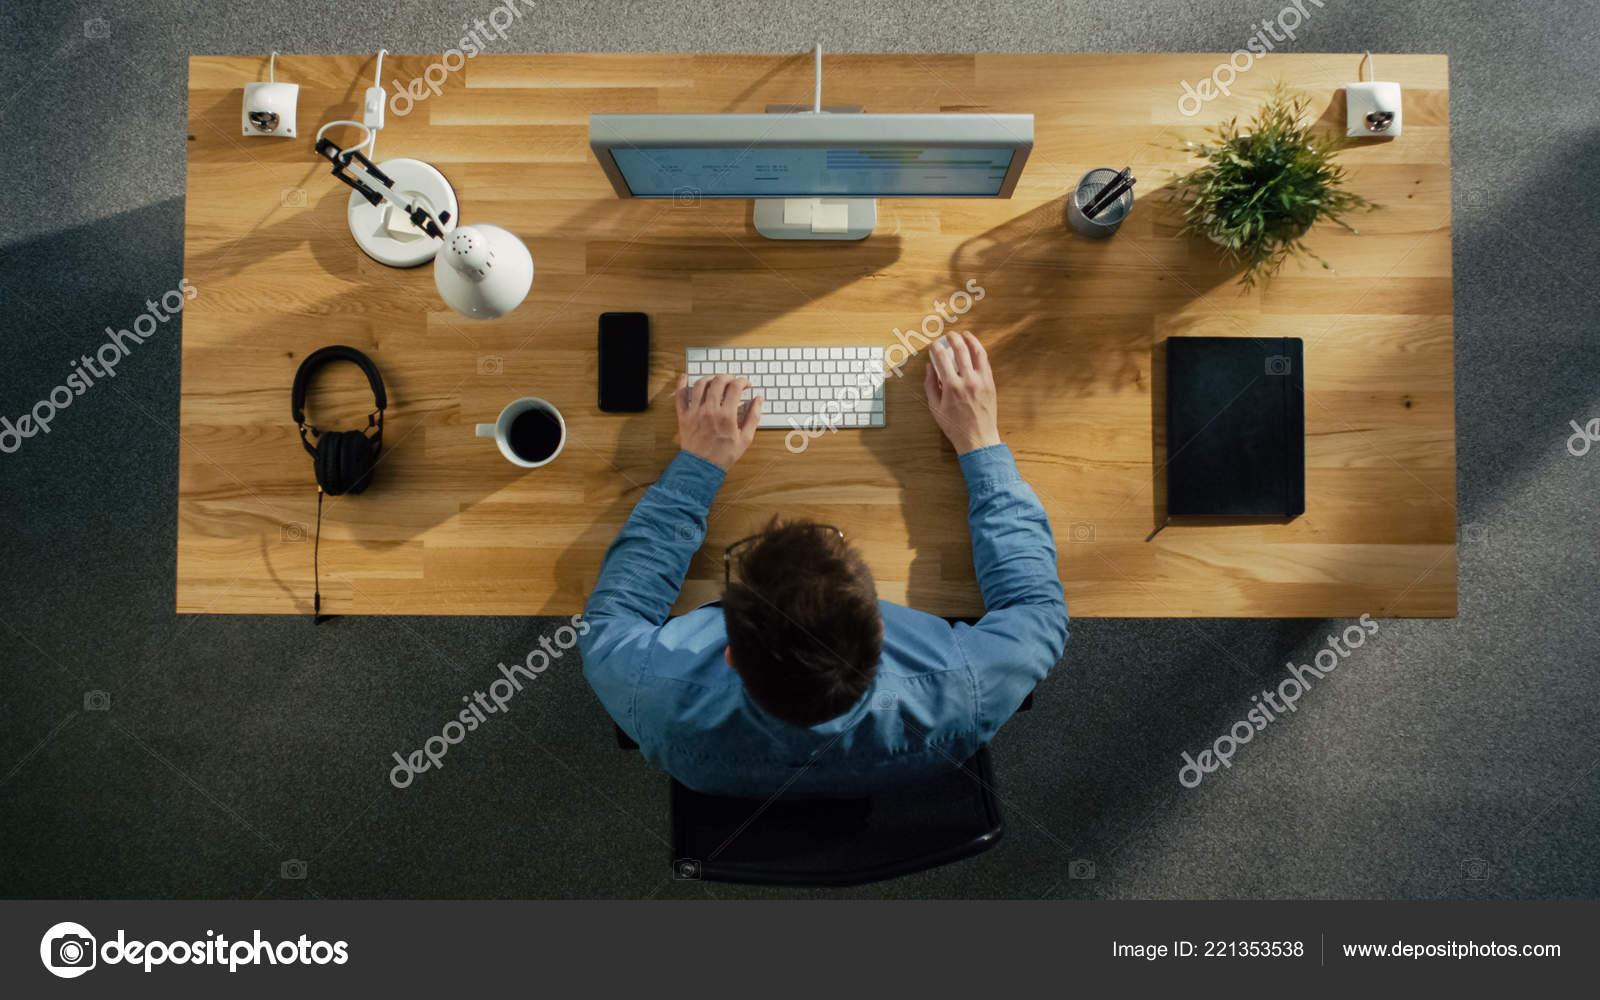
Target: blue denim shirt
{"type": "Point", "coordinates": [940, 692]}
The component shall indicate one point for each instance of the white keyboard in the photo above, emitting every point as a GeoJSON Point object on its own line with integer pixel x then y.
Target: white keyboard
{"type": "Point", "coordinates": [821, 387]}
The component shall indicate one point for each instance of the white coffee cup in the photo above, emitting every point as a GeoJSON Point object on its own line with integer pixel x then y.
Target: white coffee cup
{"type": "Point", "coordinates": [500, 430]}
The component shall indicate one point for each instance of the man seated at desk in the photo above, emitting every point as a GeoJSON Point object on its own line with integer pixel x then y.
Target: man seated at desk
{"type": "Point", "coordinates": [801, 679]}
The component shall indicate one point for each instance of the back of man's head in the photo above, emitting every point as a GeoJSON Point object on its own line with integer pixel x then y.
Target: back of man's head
{"type": "Point", "coordinates": [804, 631]}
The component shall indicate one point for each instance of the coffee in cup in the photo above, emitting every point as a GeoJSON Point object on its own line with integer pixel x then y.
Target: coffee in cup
{"type": "Point", "coordinates": [529, 432]}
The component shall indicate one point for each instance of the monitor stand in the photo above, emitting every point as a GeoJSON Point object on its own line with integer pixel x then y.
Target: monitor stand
{"type": "Point", "coordinates": [815, 218]}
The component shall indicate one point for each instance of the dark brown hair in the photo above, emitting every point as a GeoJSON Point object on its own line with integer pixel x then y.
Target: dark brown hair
{"type": "Point", "coordinates": [804, 630]}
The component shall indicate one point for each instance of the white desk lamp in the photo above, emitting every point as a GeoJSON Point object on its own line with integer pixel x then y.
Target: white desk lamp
{"type": "Point", "coordinates": [481, 271]}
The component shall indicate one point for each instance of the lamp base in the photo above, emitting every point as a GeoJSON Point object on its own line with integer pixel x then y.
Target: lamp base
{"type": "Point", "coordinates": [384, 233]}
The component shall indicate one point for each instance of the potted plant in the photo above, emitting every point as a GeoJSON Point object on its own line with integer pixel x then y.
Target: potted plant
{"type": "Point", "coordinates": [1264, 186]}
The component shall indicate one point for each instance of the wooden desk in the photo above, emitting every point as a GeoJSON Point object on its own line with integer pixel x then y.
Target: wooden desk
{"type": "Point", "coordinates": [451, 528]}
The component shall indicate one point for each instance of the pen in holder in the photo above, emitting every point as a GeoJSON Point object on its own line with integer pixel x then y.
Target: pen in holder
{"type": "Point", "coordinates": [1102, 199]}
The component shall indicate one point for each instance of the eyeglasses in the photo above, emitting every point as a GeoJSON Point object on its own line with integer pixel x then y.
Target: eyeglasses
{"type": "Point", "coordinates": [727, 553]}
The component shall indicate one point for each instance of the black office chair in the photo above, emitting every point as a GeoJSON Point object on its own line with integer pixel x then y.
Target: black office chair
{"type": "Point", "coordinates": [836, 842]}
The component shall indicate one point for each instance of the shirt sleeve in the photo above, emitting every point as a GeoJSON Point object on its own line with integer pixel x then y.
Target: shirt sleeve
{"type": "Point", "coordinates": [640, 577]}
{"type": "Point", "coordinates": [1024, 629]}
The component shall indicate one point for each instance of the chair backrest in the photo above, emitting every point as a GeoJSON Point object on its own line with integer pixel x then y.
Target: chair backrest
{"type": "Point", "coordinates": [837, 842]}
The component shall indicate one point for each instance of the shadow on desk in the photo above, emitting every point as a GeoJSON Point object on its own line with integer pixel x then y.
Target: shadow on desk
{"type": "Point", "coordinates": [1062, 318]}
{"type": "Point", "coordinates": [1067, 315]}
{"type": "Point", "coordinates": [577, 565]}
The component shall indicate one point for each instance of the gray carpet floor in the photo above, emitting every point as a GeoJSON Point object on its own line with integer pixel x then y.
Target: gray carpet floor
{"type": "Point", "coordinates": [1447, 759]}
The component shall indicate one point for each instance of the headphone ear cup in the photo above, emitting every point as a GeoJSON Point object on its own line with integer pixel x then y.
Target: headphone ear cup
{"type": "Point", "coordinates": [357, 462]}
{"type": "Point", "coordinates": [326, 476]}
{"type": "Point", "coordinates": [344, 462]}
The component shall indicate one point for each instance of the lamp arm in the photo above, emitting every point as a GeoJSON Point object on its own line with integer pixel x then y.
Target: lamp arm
{"type": "Point", "coordinates": [376, 186]}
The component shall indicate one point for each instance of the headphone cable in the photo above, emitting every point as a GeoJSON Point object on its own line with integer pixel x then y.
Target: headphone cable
{"type": "Point", "coordinates": [316, 571]}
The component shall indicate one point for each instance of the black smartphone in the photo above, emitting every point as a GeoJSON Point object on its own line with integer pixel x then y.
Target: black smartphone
{"type": "Point", "coordinates": [624, 362]}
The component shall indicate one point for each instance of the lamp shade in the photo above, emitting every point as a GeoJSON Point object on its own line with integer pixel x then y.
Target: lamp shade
{"type": "Point", "coordinates": [483, 271]}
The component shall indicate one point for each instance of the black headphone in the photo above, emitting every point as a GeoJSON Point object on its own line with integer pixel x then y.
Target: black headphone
{"type": "Point", "coordinates": [342, 461]}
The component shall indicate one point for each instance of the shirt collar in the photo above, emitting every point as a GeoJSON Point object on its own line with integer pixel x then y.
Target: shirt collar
{"type": "Point", "coordinates": [834, 725]}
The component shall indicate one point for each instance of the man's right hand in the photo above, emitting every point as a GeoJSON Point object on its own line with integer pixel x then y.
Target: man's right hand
{"type": "Point", "coordinates": [961, 393]}
{"type": "Point", "coordinates": [711, 421]}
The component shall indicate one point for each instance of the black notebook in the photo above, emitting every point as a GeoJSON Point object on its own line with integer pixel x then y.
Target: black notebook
{"type": "Point", "coordinates": [1236, 426]}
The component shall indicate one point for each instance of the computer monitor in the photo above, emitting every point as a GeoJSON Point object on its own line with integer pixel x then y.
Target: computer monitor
{"type": "Point", "coordinates": [813, 174]}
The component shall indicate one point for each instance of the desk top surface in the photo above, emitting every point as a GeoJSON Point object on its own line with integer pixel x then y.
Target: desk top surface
{"type": "Point", "coordinates": [449, 527]}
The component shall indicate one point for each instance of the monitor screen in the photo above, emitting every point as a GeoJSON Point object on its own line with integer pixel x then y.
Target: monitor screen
{"type": "Point", "coordinates": [812, 155]}
{"type": "Point", "coordinates": [816, 171]}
